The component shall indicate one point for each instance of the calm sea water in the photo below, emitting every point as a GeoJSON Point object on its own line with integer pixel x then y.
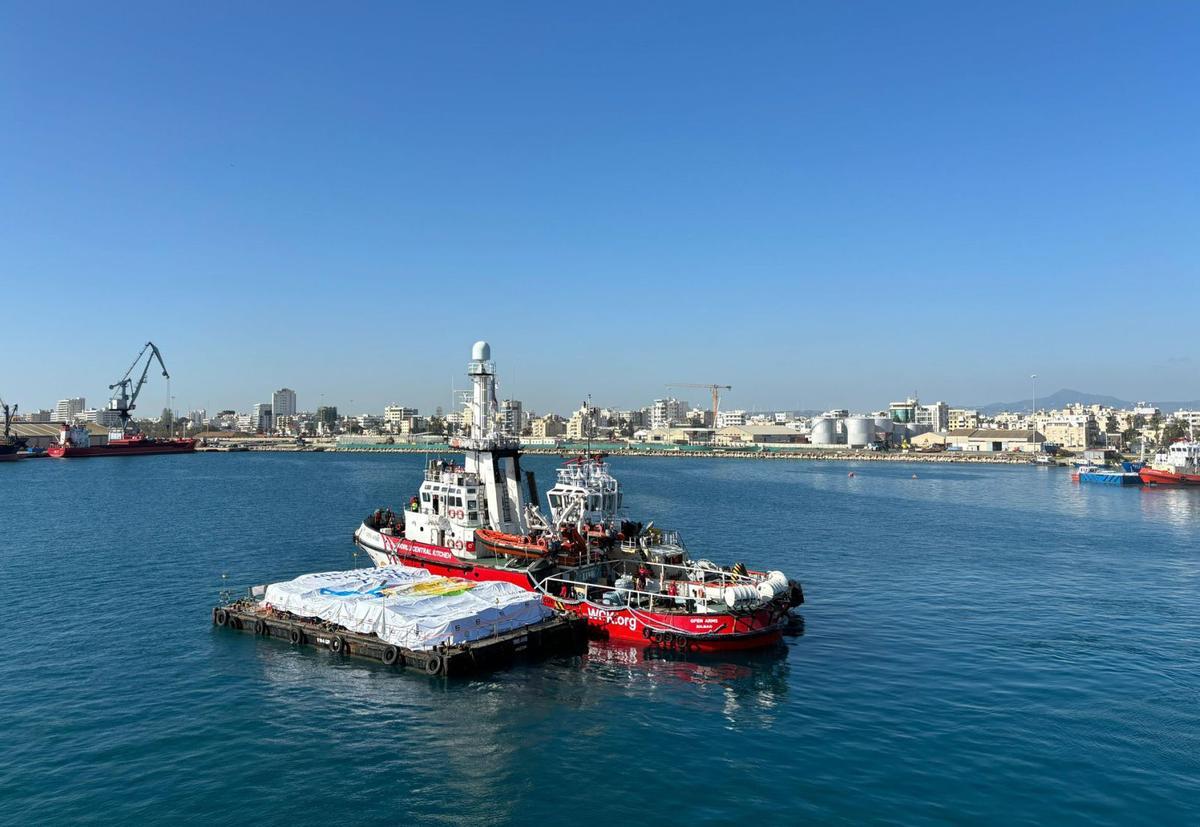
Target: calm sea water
{"type": "Point", "coordinates": [981, 645]}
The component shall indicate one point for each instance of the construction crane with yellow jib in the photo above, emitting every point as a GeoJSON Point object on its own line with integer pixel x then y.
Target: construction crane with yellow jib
{"type": "Point", "coordinates": [715, 390]}
{"type": "Point", "coordinates": [124, 400]}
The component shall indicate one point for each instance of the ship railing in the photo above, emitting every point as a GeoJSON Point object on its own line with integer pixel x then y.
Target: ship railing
{"type": "Point", "coordinates": [662, 539]}
{"type": "Point", "coordinates": [634, 598]}
{"type": "Point", "coordinates": [687, 588]}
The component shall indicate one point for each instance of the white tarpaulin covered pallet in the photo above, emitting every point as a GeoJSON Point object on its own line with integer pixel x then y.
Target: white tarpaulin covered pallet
{"type": "Point", "coordinates": [409, 607]}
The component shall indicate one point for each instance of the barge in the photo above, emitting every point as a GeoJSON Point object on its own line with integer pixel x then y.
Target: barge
{"type": "Point", "coordinates": [555, 636]}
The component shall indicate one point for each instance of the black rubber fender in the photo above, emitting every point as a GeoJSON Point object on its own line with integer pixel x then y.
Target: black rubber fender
{"type": "Point", "coordinates": [260, 627]}
{"type": "Point", "coordinates": [433, 666]}
{"type": "Point", "coordinates": [296, 636]}
{"type": "Point", "coordinates": [221, 617]}
{"type": "Point", "coordinates": [338, 645]}
{"type": "Point", "coordinates": [392, 656]}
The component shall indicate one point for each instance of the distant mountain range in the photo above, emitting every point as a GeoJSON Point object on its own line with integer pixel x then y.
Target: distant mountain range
{"type": "Point", "coordinates": [1064, 397]}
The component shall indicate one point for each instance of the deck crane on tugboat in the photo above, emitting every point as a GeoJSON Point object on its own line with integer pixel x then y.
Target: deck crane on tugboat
{"type": "Point", "coordinates": [715, 390]}
{"type": "Point", "coordinates": [124, 400]}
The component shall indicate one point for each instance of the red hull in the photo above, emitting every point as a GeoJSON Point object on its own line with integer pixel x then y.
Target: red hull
{"type": "Point", "coordinates": [1151, 476]}
{"type": "Point", "coordinates": [132, 448]}
{"type": "Point", "coordinates": [691, 632]}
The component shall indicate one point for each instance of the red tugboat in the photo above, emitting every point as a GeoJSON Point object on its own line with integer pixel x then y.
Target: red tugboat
{"type": "Point", "coordinates": [1179, 465]}
{"type": "Point", "coordinates": [633, 582]}
{"type": "Point", "coordinates": [127, 440]}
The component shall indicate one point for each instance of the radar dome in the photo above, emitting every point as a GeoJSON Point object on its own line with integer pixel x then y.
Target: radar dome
{"type": "Point", "coordinates": [481, 352]}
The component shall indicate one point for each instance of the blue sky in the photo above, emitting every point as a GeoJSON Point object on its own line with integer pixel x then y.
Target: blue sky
{"type": "Point", "coordinates": [819, 204]}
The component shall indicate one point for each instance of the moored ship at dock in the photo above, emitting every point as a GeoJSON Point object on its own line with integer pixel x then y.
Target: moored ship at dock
{"type": "Point", "coordinates": [76, 442]}
{"type": "Point", "coordinates": [631, 581]}
{"type": "Point", "coordinates": [1178, 465]}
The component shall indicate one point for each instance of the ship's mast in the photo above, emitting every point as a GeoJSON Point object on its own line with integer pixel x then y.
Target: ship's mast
{"type": "Point", "coordinates": [493, 456]}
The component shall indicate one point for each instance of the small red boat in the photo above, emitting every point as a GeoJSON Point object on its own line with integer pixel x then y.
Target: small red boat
{"type": "Point", "coordinates": [76, 442]}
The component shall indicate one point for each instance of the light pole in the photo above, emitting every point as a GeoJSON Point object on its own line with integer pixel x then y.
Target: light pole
{"type": "Point", "coordinates": [1034, 378]}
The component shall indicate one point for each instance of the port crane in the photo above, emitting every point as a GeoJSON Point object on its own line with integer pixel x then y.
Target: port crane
{"type": "Point", "coordinates": [715, 390]}
{"type": "Point", "coordinates": [124, 400]}
{"type": "Point", "coordinates": [9, 413]}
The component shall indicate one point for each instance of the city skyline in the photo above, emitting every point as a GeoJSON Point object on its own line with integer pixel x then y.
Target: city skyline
{"type": "Point", "coordinates": [1047, 401]}
{"type": "Point", "coordinates": [819, 206]}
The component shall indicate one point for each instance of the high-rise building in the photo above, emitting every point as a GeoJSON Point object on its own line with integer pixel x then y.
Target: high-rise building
{"type": "Point", "coordinates": [283, 403]}
{"type": "Point", "coordinates": [510, 417]}
{"type": "Point", "coordinates": [260, 417]}
{"type": "Point", "coordinates": [68, 409]}
{"type": "Point", "coordinates": [582, 423]}
{"type": "Point", "coordinates": [936, 416]}
{"type": "Point", "coordinates": [41, 415]}
{"type": "Point", "coordinates": [327, 415]}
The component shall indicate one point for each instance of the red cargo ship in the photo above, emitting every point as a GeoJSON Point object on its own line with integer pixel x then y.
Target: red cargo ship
{"type": "Point", "coordinates": [76, 442]}
{"type": "Point", "coordinates": [632, 582]}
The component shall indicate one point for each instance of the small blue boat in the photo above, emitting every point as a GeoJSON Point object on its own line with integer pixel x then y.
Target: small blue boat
{"type": "Point", "coordinates": [1126, 475]}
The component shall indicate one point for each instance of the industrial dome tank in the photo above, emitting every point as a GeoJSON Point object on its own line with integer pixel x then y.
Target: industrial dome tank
{"type": "Point", "coordinates": [824, 431]}
{"type": "Point", "coordinates": [913, 429]}
{"type": "Point", "coordinates": [860, 431]}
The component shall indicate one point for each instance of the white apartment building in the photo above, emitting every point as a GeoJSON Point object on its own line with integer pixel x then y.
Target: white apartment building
{"type": "Point", "coordinates": [260, 417]}
{"type": "Point", "coordinates": [936, 416]}
{"type": "Point", "coordinates": [730, 419]}
{"type": "Point", "coordinates": [1191, 418]}
{"type": "Point", "coordinates": [582, 423]}
{"type": "Point", "coordinates": [667, 412]}
{"type": "Point", "coordinates": [510, 416]}
{"type": "Point", "coordinates": [283, 403]}
{"type": "Point", "coordinates": [68, 409]}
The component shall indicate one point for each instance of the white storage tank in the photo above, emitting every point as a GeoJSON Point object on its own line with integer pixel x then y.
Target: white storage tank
{"type": "Point", "coordinates": [912, 429]}
{"type": "Point", "coordinates": [884, 428]}
{"type": "Point", "coordinates": [860, 431]}
{"type": "Point", "coordinates": [824, 431]}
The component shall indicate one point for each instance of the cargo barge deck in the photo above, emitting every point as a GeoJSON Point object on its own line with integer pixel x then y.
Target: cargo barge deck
{"type": "Point", "coordinates": [559, 635]}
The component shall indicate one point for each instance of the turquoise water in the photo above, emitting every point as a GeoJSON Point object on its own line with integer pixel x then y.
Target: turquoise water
{"type": "Point", "coordinates": [981, 645]}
